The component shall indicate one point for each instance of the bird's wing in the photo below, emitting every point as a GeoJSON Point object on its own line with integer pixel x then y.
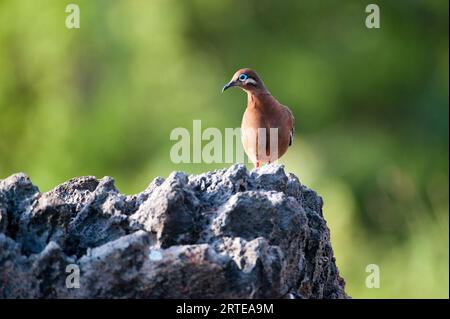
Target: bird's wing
{"type": "Point", "coordinates": [291, 116]}
{"type": "Point", "coordinates": [291, 137]}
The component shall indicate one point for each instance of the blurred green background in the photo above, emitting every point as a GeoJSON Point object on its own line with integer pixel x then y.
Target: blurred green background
{"type": "Point", "coordinates": [371, 109]}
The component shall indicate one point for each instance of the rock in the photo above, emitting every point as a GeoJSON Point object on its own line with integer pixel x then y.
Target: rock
{"type": "Point", "coordinates": [170, 212]}
{"type": "Point", "coordinates": [223, 234]}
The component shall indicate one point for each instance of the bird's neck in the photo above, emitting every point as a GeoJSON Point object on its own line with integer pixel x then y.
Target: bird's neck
{"type": "Point", "coordinates": [259, 99]}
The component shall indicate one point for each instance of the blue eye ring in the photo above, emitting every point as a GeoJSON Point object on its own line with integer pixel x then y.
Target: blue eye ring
{"type": "Point", "coordinates": [243, 77]}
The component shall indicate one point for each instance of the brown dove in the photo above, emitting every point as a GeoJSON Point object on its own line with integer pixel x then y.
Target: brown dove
{"type": "Point", "coordinates": [267, 127]}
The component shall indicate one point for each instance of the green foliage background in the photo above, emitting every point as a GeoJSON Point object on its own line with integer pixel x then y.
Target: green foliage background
{"type": "Point", "coordinates": [371, 109]}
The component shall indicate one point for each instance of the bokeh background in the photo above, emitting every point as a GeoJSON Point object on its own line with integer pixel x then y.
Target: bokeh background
{"type": "Point", "coordinates": [371, 109]}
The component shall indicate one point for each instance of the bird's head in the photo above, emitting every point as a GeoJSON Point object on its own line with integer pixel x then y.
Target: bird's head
{"type": "Point", "coordinates": [245, 79]}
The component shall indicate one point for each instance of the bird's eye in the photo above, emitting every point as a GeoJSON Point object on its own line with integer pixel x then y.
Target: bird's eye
{"type": "Point", "coordinates": [243, 77]}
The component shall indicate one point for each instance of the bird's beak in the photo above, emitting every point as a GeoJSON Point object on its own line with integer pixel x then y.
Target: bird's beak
{"type": "Point", "coordinates": [228, 85]}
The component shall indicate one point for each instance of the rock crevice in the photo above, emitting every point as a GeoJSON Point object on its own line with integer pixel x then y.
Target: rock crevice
{"type": "Point", "coordinates": [225, 234]}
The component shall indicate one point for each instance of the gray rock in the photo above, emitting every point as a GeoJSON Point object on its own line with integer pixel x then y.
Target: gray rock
{"type": "Point", "coordinates": [170, 212]}
{"type": "Point", "coordinates": [223, 234]}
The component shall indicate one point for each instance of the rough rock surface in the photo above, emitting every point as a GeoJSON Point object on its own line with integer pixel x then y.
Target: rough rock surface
{"type": "Point", "coordinates": [223, 234]}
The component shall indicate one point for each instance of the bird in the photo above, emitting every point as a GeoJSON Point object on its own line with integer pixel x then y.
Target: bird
{"type": "Point", "coordinates": [267, 128]}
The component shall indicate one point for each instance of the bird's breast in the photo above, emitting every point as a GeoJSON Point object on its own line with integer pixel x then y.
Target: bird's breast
{"type": "Point", "coordinates": [260, 141]}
